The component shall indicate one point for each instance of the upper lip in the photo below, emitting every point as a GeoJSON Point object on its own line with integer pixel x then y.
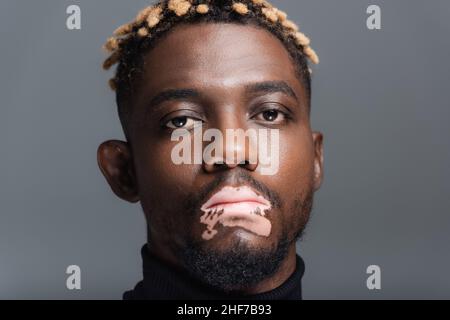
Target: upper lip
{"type": "Point", "coordinates": [229, 194]}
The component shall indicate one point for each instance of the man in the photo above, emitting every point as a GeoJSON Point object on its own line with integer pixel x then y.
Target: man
{"type": "Point", "coordinates": [219, 228]}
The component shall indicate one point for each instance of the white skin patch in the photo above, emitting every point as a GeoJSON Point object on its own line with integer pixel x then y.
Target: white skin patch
{"type": "Point", "coordinates": [245, 213]}
{"type": "Point", "coordinates": [210, 218]}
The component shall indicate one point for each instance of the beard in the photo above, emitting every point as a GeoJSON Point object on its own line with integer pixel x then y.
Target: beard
{"type": "Point", "coordinates": [241, 266]}
{"type": "Point", "coordinates": [235, 269]}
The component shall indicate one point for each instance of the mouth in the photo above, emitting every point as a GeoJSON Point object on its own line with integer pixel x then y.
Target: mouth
{"type": "Point", "coordinates": [236, 207]}
{"type": "Point", "coordinates": [237, 198]}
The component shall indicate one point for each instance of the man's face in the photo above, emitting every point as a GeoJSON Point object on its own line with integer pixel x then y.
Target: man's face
{"type": "Point", "coordinates": [229, 77]}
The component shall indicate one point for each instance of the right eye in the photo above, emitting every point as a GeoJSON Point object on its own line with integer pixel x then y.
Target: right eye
{"type": "Point", "coordinates": [182, 123]}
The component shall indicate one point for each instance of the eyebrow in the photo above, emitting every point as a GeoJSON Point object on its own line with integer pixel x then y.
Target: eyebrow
{"type": "Point", "coordinates": [173, 94]}
{"type": "Point", "coordinates": [187, 93]}
{"type": "Point", "coordinates": [271, 87]}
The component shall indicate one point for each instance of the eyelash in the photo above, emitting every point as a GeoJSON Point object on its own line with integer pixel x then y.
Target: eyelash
{"type": "Point", "coordinates": [286, 115]}
{"type": "Point", "coordinates": [182, 117]}
{"type": "Point", "coordinates": [188, 114]}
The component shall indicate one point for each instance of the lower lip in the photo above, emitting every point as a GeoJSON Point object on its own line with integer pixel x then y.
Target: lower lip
{"type": "Point", "coordinates": [246, 215]}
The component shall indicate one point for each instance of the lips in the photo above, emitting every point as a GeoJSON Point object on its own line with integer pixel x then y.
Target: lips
{"type": "Point", "coordinates": [236, 207]}
{"type": "Point", "coordinates": [236, 197]}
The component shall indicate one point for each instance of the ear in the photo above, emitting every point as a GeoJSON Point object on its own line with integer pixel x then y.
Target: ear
{"type": "Point", "coordinates": [116, 163]}
{"type": "Point", "coordinates": [318, 159]}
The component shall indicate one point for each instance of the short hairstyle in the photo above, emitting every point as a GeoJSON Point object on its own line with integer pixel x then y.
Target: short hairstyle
{"type": "Point", "coordinates": [132, 40]}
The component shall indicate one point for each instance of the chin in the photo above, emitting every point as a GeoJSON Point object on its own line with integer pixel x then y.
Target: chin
{"type": "Point", "coordinates": [234, 259]}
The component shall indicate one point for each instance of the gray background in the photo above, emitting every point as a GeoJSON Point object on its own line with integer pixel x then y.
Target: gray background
{"type": "Point", "coordinates": [380, 97]}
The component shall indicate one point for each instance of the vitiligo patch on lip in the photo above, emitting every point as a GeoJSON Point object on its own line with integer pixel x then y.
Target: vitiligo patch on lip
{"type": "Point", "coordinates": [236, 207]}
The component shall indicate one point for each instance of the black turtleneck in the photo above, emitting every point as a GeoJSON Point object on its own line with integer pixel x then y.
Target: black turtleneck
{"type": "Point", "coordinates": [163, 282]}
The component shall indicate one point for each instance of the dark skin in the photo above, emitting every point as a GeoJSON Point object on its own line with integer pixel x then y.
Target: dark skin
{"type": "Point", "coordinates": [231, 76]}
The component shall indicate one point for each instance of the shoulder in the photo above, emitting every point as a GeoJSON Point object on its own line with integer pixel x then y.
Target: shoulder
{"type": "Point", "coordinates": [135, 294]}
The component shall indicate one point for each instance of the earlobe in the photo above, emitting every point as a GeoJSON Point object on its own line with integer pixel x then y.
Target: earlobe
{"type": "Point", "coordinates": [318, 159]}
{"type": "Point", "coordinates": [116, 163]}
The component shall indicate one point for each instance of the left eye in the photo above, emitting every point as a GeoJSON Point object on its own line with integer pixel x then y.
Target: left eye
{"type": "Point", "coordinates": [182, 123]}
{"type": "Point", "coordinates": [271, 115]}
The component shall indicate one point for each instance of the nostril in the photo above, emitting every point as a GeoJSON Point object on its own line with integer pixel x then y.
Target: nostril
{"type": "Point", "coordinates": [219, 163]}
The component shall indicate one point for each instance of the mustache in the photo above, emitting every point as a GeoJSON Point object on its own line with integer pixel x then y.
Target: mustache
{"type": "Point", "coordinates": [195, 200]}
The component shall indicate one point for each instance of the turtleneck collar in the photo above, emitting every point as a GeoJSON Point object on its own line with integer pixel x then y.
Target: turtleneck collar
{"type": "Point", "coordinates": [163, 282]}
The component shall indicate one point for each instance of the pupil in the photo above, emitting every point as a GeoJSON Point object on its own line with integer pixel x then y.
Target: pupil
{"type": "Point", "coordinates": [179, 122]}
{"type": "Point", "coordinates": [270, 115]}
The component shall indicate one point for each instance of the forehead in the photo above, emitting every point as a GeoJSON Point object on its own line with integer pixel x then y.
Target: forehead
{"type": "Point", "coordinates": [217, 55]}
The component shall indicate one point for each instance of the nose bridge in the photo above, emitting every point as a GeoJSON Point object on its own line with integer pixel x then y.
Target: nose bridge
{"type": "Point", "coordinates": [232, 129]}
{"type": "Point", "coordinates": [229, 117]}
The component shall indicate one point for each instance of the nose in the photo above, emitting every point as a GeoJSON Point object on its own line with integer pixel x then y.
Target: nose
{"type": "Point", "coordinates": [237, 147]}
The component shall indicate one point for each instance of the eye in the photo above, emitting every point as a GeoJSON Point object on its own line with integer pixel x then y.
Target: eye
{"type": "Point", "coordinates": [182, 123]}
{"type": "Point", "coordinates": [271, 115]}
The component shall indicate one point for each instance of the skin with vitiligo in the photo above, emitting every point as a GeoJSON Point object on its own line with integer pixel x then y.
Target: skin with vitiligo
{"type": "Point", "coordinates": [236, 207]}
{"type": "Point", "coordinates": [219, 62]}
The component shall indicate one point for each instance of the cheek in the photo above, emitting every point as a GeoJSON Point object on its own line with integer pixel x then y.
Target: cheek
{"type": "Point", "coordinates": [296, 171]}
{"type": "Point", "coordinates": [162, 183]}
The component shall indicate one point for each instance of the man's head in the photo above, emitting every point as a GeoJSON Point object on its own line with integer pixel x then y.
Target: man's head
{"type": "Point", "coordinates": [226, 65]}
